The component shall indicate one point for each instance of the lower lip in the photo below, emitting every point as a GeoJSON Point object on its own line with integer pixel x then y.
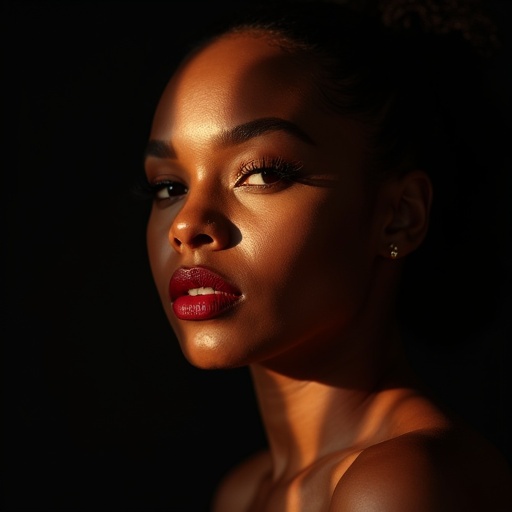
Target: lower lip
{"type": "Point", "coordinates": [203, 307]}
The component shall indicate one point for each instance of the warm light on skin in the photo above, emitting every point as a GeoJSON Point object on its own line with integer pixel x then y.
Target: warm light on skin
{"type": "Point", "coordinates": [304, 256]}
{"type": "Point", "coordinates": [206, 341]}
{"type": "Point", "coordinates": [315, 322]}
{"type": "Point", "coordinates": [312, 322]}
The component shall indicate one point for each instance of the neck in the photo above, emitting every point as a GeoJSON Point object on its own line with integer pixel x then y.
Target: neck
{"type": "Point", "coordinates": [339, 406]}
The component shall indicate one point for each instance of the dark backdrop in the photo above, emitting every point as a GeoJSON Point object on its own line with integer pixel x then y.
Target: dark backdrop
{"type": "Point", "coordinates": [101, 412]}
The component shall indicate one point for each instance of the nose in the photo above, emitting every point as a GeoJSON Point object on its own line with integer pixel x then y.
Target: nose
{"type": "Point", "coordinates": [200, 226]}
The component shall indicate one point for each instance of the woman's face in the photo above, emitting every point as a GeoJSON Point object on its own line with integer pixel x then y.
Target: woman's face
{"type": "Point", "coordinates": [259, 183]}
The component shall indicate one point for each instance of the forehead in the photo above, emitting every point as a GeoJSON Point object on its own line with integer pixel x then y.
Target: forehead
{"type": "Point", "coordinates": [237, 78]}
{"type": "Point", "coordinates": [244, 77]}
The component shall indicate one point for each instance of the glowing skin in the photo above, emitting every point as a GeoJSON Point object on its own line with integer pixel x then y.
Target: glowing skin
{"type": "Point", "coordinates": [302, 254]}
{"type": "Point", "coordinates": [310, 288]}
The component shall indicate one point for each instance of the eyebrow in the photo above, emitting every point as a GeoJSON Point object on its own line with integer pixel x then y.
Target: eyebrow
{"type": "Point", "coordinates": [237, 135]}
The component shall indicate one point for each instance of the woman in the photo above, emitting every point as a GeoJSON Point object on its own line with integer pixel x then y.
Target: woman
{"type": "Point", "coordinates": [290, 165]}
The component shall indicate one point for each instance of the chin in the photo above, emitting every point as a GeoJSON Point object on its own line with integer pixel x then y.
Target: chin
{"type": "Point", "coordinates": [207, 352]}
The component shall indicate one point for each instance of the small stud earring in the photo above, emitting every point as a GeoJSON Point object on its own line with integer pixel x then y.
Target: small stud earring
{"type": "Point", "coordinates": [393, 250]}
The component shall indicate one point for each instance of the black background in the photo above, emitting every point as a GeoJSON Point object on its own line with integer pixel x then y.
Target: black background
{"type": "Point", "coordinates": [101, 412]}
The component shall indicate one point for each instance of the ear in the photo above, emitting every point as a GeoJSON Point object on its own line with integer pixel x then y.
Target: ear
{"type": "Point", "coordinates": [407, 206]}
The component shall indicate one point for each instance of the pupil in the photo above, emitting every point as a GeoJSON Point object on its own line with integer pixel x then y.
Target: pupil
{"type": "Point", "coordinates": [269, 176]}
{"type": "Point", "coordinates": [176, 189]}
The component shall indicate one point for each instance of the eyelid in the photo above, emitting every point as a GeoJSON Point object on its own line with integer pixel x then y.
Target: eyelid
{"type": "Point", "coordinates": [161, 186]}
{"type": "Point", "coordinates": [149, 188]}
{"type": "Point", "coordinates": [288, 170]}
{"type": "Point", "coordinates": [180, 188]}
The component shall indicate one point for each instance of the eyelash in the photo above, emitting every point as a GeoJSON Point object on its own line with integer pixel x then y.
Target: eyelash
{"type": "Point", "coordinates": [286, 172]}
{"type": "Point", "coordinates": [145, 190]}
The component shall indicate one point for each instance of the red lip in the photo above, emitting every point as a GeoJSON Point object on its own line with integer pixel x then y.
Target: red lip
{"type": "Point", "coordinates": [200, 307]}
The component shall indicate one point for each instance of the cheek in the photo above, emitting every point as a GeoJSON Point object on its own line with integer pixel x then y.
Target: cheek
{"type": "Point", "coordinates": [311, 254]}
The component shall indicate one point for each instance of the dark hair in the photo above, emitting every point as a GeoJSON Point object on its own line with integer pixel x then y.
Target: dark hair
{"type": "Point", "coordinates": [415, 74]}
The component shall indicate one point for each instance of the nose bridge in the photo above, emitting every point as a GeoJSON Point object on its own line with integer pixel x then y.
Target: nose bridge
{"type": "Point", "coordinates": [202, 221]}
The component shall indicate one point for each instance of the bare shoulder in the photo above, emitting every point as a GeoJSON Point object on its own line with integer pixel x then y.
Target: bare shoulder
{"type": "Point", "coordinates": [435, 470]}
{"type": "Point", "coordinates": [240, 485]}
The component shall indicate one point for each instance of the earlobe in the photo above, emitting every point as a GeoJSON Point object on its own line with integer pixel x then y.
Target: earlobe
{"type": "Point", "coordinates": [406, 224]}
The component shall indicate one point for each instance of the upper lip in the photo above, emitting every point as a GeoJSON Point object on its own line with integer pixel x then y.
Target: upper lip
{"type": "Point", "coordinates": [186, 278]}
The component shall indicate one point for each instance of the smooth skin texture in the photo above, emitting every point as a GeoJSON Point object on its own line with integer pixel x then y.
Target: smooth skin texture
{"type": "Point", "coordinates": [348, 427]}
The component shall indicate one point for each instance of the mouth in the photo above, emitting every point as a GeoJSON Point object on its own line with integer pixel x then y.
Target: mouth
{"type": "Point", "coordinates": [197, 293]}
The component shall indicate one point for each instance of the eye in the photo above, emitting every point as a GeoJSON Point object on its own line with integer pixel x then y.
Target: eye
{"type": "Point", "coordinates": [264, 177]}
{"type": "Point", "coordinates": [268, 172]}
{"type": "Point", "coordinates": [165, 190]}
{"type": "Point", "coordinates": [168, 190]}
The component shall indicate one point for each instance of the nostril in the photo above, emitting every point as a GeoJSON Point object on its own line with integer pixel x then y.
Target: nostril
{"type": "Point", "coordinates": [202, 239]}
{"type": "Point", "coordinates": [196, 233]}
{"type": "Point", "coordinates": [195, 242]}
